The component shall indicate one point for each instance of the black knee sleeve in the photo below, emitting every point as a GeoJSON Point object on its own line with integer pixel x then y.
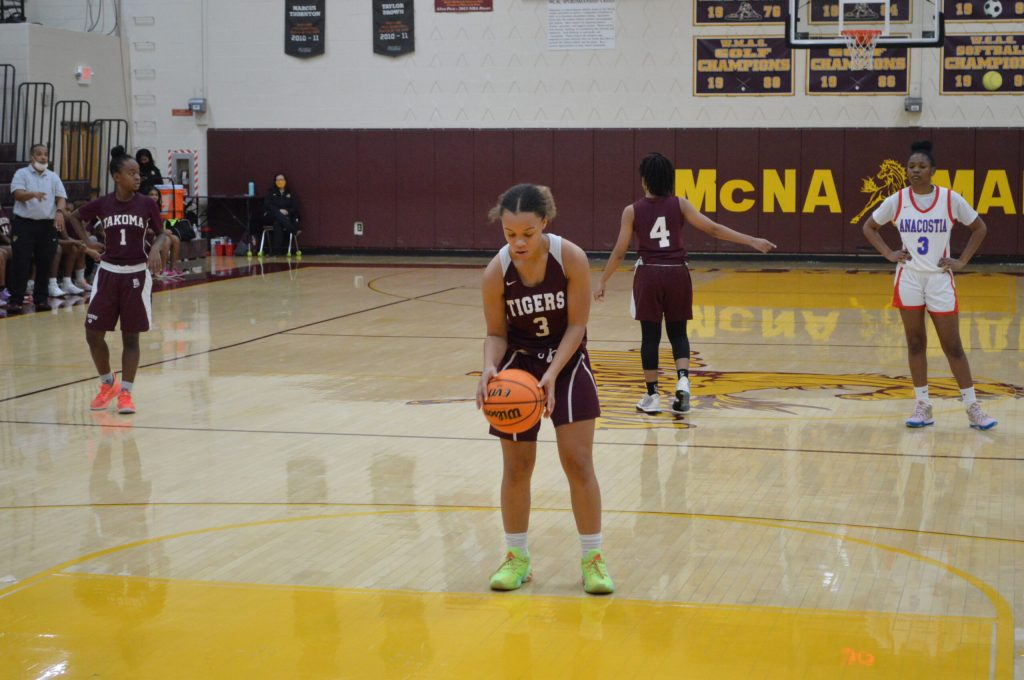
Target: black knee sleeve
{"type": "Point", "coordinates": [650, 338]}
{"type": "Point", "coordinates": [680, 341]}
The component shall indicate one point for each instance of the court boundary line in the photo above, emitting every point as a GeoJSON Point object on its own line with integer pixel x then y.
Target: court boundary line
{"type": "Point", "coordinates": [128, 425]}
{"type": "Point", "coordinates": [232, 345]}
{"type": "Point", "coordinates": [654, 513]}
{"type": "Point", "coordinates": [1003, 634]}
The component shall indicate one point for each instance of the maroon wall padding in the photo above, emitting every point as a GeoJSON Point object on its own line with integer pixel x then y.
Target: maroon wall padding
{"type": "Point", "coordinates": [697, 149]}
{"type": "Point", "coordinates": [432, 189]}
{"type": "Point", "coordinates": [415, 215]}
{"type": "Point", "coordinates": [822, 230]}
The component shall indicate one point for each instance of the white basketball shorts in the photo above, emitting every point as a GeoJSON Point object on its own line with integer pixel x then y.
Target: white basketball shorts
{"type": "Point", "coordinates": [935, 292]}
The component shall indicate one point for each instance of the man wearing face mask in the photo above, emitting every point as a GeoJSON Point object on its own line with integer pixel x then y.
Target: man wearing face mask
{"type": "Point", "coordinates": [282, 210]}
{"type": "Point", "coordinates": [39, 204]}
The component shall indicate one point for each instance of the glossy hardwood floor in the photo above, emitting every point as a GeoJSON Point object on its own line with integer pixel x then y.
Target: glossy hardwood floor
{"type": "Point", "coordinates": [308, 491]}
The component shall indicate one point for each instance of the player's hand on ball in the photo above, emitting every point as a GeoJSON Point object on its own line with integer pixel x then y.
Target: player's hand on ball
{"type": "Point", "coordinates": [547, 383]}
{"type": "Point", "coordinates": [951, 264]}
{"type": "Point", "coordinates": [481, 387]}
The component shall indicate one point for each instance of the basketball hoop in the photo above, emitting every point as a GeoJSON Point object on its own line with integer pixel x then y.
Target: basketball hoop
{"type": "Point", "coordinates": [860, 43]}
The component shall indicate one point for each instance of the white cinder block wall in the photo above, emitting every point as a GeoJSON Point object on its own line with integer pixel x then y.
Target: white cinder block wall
{"type": "Point", "coordinates": [473, 70]}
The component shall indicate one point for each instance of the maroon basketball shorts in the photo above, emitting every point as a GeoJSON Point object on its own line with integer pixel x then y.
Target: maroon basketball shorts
{"type": "Point", "coordinates": [575, 389]}
{"type": "Point", "coordinates": [662, 291]}
{"type": "Point", "coordinates": [122, 292]}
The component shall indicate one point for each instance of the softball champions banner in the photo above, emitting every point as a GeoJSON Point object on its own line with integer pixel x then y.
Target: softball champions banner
{"type": "Point", "coordinates": [304, 28]}
{"type": "Point", "coordinates": [967, 61]}
{"type": "Point", "coordinates": [983, 10]}
{"type": "Point", "coordinates": [751, 12]}
{"type": "Point", "coordinates": [828, 72]}
{"type": "Point", "coordinates": [742, 66]}
{"type": "Point", "coordinates": [393, 27]}
{"type": "Point", "coordinates": [463, 5]}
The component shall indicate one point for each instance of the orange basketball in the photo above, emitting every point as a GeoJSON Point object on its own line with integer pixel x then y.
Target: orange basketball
{"type": "Point", "coordinates": [513, 403]}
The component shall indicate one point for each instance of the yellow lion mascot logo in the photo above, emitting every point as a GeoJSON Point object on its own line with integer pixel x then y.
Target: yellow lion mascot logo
{"type": "Point", "coordinates": [891, 177]}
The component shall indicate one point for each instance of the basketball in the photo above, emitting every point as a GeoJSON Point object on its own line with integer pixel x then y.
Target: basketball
{"type": "Point", "coordinates": [513, 403]}
{"type": "Point", "coordinates": [993, 80]}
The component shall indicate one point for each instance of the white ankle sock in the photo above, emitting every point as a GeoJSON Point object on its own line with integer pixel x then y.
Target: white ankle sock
{"type": "Point", "coordinates": [921, 393]}
{"type": "Point", "coordinates": [968, 395]}
{"type": "Point", "coordinates": [590, 542]}
{"type": "Point", "coordinates": [517, 541]}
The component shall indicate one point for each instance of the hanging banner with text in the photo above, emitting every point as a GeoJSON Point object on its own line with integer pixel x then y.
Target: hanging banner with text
{"type": "Point", "coordinates": [463, 5]}
{"type": "Point", "coordinates": [983, 10]}
{"type": "Point", "coordinates": [304, 28]}
{"type": "Point", "coordinates": [753, 13]}
{"type": "Point", "coordinates": [983, 64]}
{"type": "Point", "coordinates": [581, 24]}
{"type": "Point", "coordinates": [742, 66]}
{"type": "Point", "coordinates": [828, 72]}
{"type": "Point", "coordinates": [393, 27]}
{"type": "Point", "coordinates": [860, 13]}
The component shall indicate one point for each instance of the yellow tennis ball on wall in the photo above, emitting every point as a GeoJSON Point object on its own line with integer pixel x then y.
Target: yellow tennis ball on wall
{"type": "Point", "coordinates": [993, 80]}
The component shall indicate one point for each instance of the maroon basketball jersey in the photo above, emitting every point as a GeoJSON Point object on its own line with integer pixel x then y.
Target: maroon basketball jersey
{"type": "Point", "coordinates": [658, 225]}
{"type": "Point", "coordinates": [124, 225]}
{"type": "Point", "coordinates": [537, 316]}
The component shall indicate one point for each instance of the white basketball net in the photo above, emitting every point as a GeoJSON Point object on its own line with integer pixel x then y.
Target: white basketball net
{"type": "Point", "coordinates": [861, 46]}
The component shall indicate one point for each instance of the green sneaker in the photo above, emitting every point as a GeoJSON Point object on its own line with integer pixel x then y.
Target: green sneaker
{"type": "Point", "coordinates": [514, 571]}
{"type": "Point", "coordinates": [595, 574]}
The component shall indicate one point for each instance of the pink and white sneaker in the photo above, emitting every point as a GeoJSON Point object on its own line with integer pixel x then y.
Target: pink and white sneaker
{"type": "Point", "coordinates": [922, 415]}
{"type": "Point", "coordinates": [978, 419]}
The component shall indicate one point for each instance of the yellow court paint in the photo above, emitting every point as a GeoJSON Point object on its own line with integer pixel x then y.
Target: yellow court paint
{"type": "Point", "coordinates": [83, 625]}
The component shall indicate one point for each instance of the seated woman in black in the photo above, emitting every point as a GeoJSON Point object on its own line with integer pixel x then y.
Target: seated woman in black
{"type": "Point", "coordinates": [149, 174]}
{"type": "Point", "coordinates": [282, 210]}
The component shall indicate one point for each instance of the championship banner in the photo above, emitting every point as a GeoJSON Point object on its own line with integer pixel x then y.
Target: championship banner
{"type": "Point", "coordinates": [750, 12]}
{"type": "Point", "coordinates": [304, 28]}
{"type": "Point", "coordinates": [463, 5]}
{"type": "Point", "coordinates": [393, 27]}
{"type": "Point", "coordinates": [861, 12]}
{"type": "Point", "coordinates": [742, 66]}
{"type": "Point", "coordinates": [983, 10]}
{"type": "Point", "coordinates": [828, 72]}
{"type": "Point", "coordinates": [983, 64]}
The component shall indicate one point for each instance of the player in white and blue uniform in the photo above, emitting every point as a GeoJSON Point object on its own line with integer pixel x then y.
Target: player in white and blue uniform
{"type": "Point", "coordinates": [925, 215]}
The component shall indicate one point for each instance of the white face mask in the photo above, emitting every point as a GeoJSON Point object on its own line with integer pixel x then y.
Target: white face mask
{"type": "Point", "coordinates": [39, 167]}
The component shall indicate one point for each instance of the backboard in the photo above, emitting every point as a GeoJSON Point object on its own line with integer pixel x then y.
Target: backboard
{"type": "Point", "coordinates": [907, 23]}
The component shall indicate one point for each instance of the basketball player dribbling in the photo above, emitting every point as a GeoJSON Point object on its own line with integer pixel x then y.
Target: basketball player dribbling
{"type": "Point", "coordinates": [661, 285]}
{"type": "Point", "coordinates": [925, 214]}
{"type": "Point", "coordinates": [123, 286]}
{"type": "Point", "coordinates": [536, 299]}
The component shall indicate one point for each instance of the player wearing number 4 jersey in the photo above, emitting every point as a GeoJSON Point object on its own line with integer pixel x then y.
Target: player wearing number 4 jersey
{"type": "Point", "coordinates": [925, 214]}
{"type": "Point", "coordinates": [661, 284]}
{"type": "Point", "coordinates": [123, 286]}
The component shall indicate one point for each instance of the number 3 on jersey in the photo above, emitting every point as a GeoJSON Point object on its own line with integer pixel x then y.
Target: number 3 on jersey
{"type": "Point", "coordinates": [659, 232]}
{"type": "Point", "coordinates": [922, 246]}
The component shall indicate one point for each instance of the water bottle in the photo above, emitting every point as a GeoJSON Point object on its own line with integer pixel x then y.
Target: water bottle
{"type": "Point", "coordinates": [252, 189]}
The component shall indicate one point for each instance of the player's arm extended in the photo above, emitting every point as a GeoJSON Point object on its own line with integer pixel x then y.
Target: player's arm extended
{"type": "Point", "coordinates": [874, 238]}
{"type": "Point", "coordinates": [720, 231]}
{"type": "Point", "coordinates": [618, 252]}
{"type": "Point", "coordinates": [493, 290]}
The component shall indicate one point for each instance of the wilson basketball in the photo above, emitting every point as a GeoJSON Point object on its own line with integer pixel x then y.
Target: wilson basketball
{"type": "Point", "coordinates": [513, 403]}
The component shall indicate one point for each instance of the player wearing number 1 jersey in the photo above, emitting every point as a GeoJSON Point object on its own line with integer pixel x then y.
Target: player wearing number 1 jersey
{"type": "Point", "coordinates": [925, 214]}
{"type": "Point", "coordinates": [123, 286]}
{"type": "Point", "coordinates": [661, 284]}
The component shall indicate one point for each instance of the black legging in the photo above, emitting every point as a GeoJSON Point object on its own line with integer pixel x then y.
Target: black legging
{"type": "Point", "coordinates": [283, 225]}
{"type": "Point", "coordinates": [650, 338]}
